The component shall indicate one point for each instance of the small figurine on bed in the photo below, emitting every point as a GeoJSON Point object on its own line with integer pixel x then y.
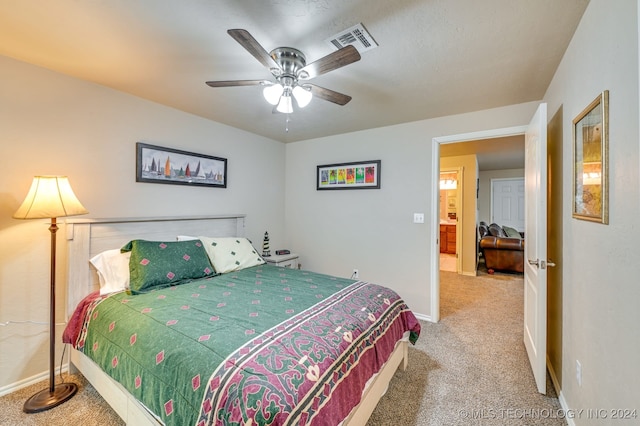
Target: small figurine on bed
{"type": "Point", "coordinates": [265, 245]}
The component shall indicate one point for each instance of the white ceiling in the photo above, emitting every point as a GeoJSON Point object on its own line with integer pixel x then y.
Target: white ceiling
{"type": "Point", "coordinates": [492, 154]}
{"type": "Point", "coordinates": [435, 57]}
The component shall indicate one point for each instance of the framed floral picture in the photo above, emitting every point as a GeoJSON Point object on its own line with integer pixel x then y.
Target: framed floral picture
{"type": "Point", "coordinates": [590, 161]}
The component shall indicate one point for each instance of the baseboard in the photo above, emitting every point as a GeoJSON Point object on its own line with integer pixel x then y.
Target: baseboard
{"type": "Point", "coordinates": [566, 409]}
{"type": "Point", "coordinates": [12, 387]}
{"type": "Point", "coordinates": [554, 377]}
{"type": "Point", "coordinates": [561, 399]}
{"type": "Point", "coordinates": [423, 317]}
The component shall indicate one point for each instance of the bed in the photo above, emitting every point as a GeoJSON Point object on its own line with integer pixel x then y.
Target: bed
{"type": "Point", "coordinates": [253, 345]}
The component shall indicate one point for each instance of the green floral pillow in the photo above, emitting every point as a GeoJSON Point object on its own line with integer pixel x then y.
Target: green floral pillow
{"type": "Point", "coordinates": [161, 264]}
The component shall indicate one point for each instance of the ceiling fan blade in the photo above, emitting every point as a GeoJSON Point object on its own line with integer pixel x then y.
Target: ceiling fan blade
{"type": "Point", "coordinates": [329, 95]}
{"type": "Point", "coordinates": [252, 46]}
{"type": "Point", "coordinates": [231, 83]}
{"type": "Point", "coordinates": [345, 56]}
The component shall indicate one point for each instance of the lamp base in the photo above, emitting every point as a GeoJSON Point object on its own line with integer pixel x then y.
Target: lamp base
{"type": "Point", "coordinates": [46, 400]}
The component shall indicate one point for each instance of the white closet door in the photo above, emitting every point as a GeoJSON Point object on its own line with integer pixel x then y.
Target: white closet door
{"type": "Point", "coordinates": [507, 202]}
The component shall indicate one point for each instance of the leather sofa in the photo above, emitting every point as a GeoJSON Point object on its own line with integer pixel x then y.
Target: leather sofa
{"type": "Point", "coordinates": [501, 252]}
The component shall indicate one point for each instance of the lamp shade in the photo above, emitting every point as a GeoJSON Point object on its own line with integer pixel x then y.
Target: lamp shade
{"type": "Point", "coordinates": [272, 93]}
{"type": "Point", "coordinates": [285, 105]}
{"type": "Point", "coordinates": [49, 197]}
{"type": "Point", "coordinates": [302, 95]}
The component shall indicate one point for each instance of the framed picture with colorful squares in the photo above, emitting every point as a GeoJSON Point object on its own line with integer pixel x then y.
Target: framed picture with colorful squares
{"type": "Point", "coordinates": [356, 175]}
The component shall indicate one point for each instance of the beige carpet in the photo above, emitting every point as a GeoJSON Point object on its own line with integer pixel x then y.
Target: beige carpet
{"type": "Point", "coordinates": [86, 408]}
{"type": "Point", "coordinates": [470, 368]}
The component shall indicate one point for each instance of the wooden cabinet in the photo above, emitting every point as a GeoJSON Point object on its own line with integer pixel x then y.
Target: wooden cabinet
{"type": "Point", "coordinates": [448, 239]}
{"type": "Point", "coordinates": [451, 239]}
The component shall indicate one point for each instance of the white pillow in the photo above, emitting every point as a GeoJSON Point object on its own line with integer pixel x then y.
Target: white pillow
{"type": "Point", "coordinates": [113, 270]}
{"type": "Point", "coordinates": [185, 238]}
{"type": "Point", "coordinates": [231, 254]}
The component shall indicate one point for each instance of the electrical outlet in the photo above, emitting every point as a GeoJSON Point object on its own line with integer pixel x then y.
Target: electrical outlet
{"type": "Point", "coordinates": [355, 274]}
{"type": "Point", "coordinates": [579, 372]}
{"type": "Point", "coordinates": [418, 218]}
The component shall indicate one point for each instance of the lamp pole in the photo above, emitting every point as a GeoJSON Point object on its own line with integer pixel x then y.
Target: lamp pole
{"type": "Point", "coordinates": [53, 228]}
{"type": "Point", "coordinates": [55, 395]}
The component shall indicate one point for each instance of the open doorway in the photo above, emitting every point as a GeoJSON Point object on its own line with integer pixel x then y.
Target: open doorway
{"type": "Point", "coordinates": [542, 326]}
{"type": "Point", "coordinates": [485, 163]}
{"type": "Point", "coordinates": [467, 235]}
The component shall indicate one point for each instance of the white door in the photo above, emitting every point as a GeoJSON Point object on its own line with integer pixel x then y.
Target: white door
{"type": "Point", "coordinates": [535, 246]}
{"type": "Point", "coordinates": [507, 202]}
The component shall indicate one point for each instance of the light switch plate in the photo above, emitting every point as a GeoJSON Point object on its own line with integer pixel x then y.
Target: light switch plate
{"type": "Point", "coordinates": [418, 218]}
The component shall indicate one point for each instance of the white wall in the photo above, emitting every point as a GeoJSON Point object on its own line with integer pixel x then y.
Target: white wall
{"type": "Point", "coordinates": [54, 124]}
{"type": "Point", "coordinates": [373, 230]}
{"type": "Point", "coordinates": [601, 267]}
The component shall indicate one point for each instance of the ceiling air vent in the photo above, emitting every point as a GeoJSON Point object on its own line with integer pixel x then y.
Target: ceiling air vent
{"type": "Point", "coordinates": [357, 36]}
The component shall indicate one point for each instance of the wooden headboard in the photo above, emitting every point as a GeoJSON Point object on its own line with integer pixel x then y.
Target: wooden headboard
{"type": "Point", "coordinates": [89, 237]}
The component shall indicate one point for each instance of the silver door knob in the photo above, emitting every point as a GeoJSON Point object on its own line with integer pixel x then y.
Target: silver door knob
{"type": "Point", "coordinates": [550, 263]}
{"type": "Point", "coordinates": [533, 262]}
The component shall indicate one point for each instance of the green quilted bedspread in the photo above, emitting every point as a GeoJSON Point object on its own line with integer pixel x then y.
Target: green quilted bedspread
{"type": "Point", "coordinates": [128, 337]}
{"type": "Point", "coordinates": [174, 347]}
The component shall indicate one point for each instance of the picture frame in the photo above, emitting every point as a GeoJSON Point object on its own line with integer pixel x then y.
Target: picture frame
{"type": "Point", "coordinates": [354, 175]}
{"type": "Point", "coordinates": [591, 162]}
{"type": "Point", "coordinates": [159, 164]}
{"type": "Point", "coordinates": [451, 202]}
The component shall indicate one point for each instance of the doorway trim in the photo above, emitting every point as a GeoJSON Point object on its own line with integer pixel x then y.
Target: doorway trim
{"type": "Point", "coordinates": [435, 198]}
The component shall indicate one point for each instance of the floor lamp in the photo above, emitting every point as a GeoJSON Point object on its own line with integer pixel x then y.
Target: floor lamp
{"type": "Point", "coordinates": [50, 197]}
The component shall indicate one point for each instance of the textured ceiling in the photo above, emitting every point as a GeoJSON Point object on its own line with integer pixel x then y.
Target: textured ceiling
{"type": "Point", "coordinates": [435, 57]}
{"type": "Point", "coordinates": [492, 154]}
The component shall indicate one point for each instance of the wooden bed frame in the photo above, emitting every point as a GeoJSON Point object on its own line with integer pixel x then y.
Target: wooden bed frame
{"type": "Point", "coordinates": [88, 237]}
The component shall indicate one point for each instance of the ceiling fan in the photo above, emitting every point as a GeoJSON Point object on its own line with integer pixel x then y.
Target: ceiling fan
{"type": "Point", "coordinates": [291, 72]}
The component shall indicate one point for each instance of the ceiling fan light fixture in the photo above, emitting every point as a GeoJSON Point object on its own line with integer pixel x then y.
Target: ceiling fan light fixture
{"type": "Point", "coordinates": [273, 93]}
{"type": "Point", "coordinates": [289, 66]}
{"type": "Point", "coordinates": [285, 106]}
{"type": "Point", "coordinates": [303, 96]}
